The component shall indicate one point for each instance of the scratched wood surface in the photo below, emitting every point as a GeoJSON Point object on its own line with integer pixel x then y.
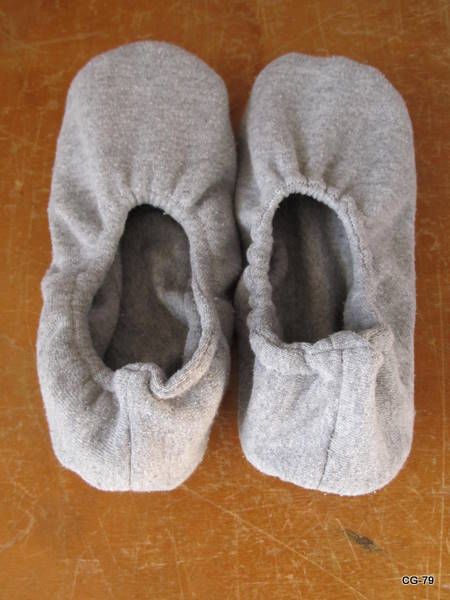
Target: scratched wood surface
{"type": "Point", "coordinates": [229, 532]}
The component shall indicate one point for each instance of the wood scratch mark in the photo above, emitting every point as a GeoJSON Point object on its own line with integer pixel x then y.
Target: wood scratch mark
{"type": "Point", "coordinates": [80, 37]}
{"type": "Point", "coordinates": [386, 548]}
{"type": "Point", "coordinates": [75, 578]}
{"type": "Point", "coordinates": [101, 572]}
{"type": "Point", "coordinates": [108, 541]}
{"type": "Point", "coordinates": [444, 424]}
{"type": "Point", "coordinates": [355, 556]}
{"type": "Point", "coordinates": [237, 562]}
{"type": "Point", "coordinates": [320, 27]}
{"type": "Point", "coordinates": [177, 562]}
{"type": "Point", "coordinates": [331, 551]}
{"type": "Point", "coordinates": [266, 534]}
{"type": "Point", "coordinates": [319, 24]}
{"type": "Point", "coordinates": [20, 535]}
{"type": "Point", "coordinates": [8, 135]}
{"type": "Point", "coordinates": [36, 45]}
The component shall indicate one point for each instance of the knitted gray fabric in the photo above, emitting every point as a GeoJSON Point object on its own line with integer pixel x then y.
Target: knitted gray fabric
{"type": "Point", "coordinates": [132, 351]}
{"type": "Point", "coordinates": [326, 203]}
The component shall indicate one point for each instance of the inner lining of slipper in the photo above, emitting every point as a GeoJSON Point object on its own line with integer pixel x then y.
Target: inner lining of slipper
{"type": "Point", "coordinates": [145, 311]}
{"type": "Point", "coordinates": [310, 270]}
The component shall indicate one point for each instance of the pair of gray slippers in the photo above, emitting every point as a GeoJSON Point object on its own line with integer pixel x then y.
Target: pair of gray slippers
{"type": "Point", "coordinates": [133, 342]}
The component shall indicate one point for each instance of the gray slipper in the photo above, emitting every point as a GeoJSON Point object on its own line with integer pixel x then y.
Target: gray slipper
{"type": "Point", "coordinates": [326, 203]}
{"type": "Point", "coordinates": [133, 358]}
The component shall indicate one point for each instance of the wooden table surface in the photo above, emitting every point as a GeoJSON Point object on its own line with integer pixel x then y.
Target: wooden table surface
{"type": "Point", "coordinates": [229, 532]}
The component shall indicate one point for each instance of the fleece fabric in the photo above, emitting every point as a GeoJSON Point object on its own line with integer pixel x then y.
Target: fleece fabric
{"type": "Point", "coordinates": [133, 354]}
{"type": "Point", "coordinates": [326, 202]}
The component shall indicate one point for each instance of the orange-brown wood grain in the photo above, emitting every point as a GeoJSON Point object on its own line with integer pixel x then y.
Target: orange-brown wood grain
{"type": "Point", "coordinates": [229, 532]}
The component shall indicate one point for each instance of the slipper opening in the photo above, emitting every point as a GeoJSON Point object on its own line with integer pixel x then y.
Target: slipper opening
{"type": "Point", "coordinates": [316, 285]}
{"type": "Point", "coordinates": [145, 311]}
